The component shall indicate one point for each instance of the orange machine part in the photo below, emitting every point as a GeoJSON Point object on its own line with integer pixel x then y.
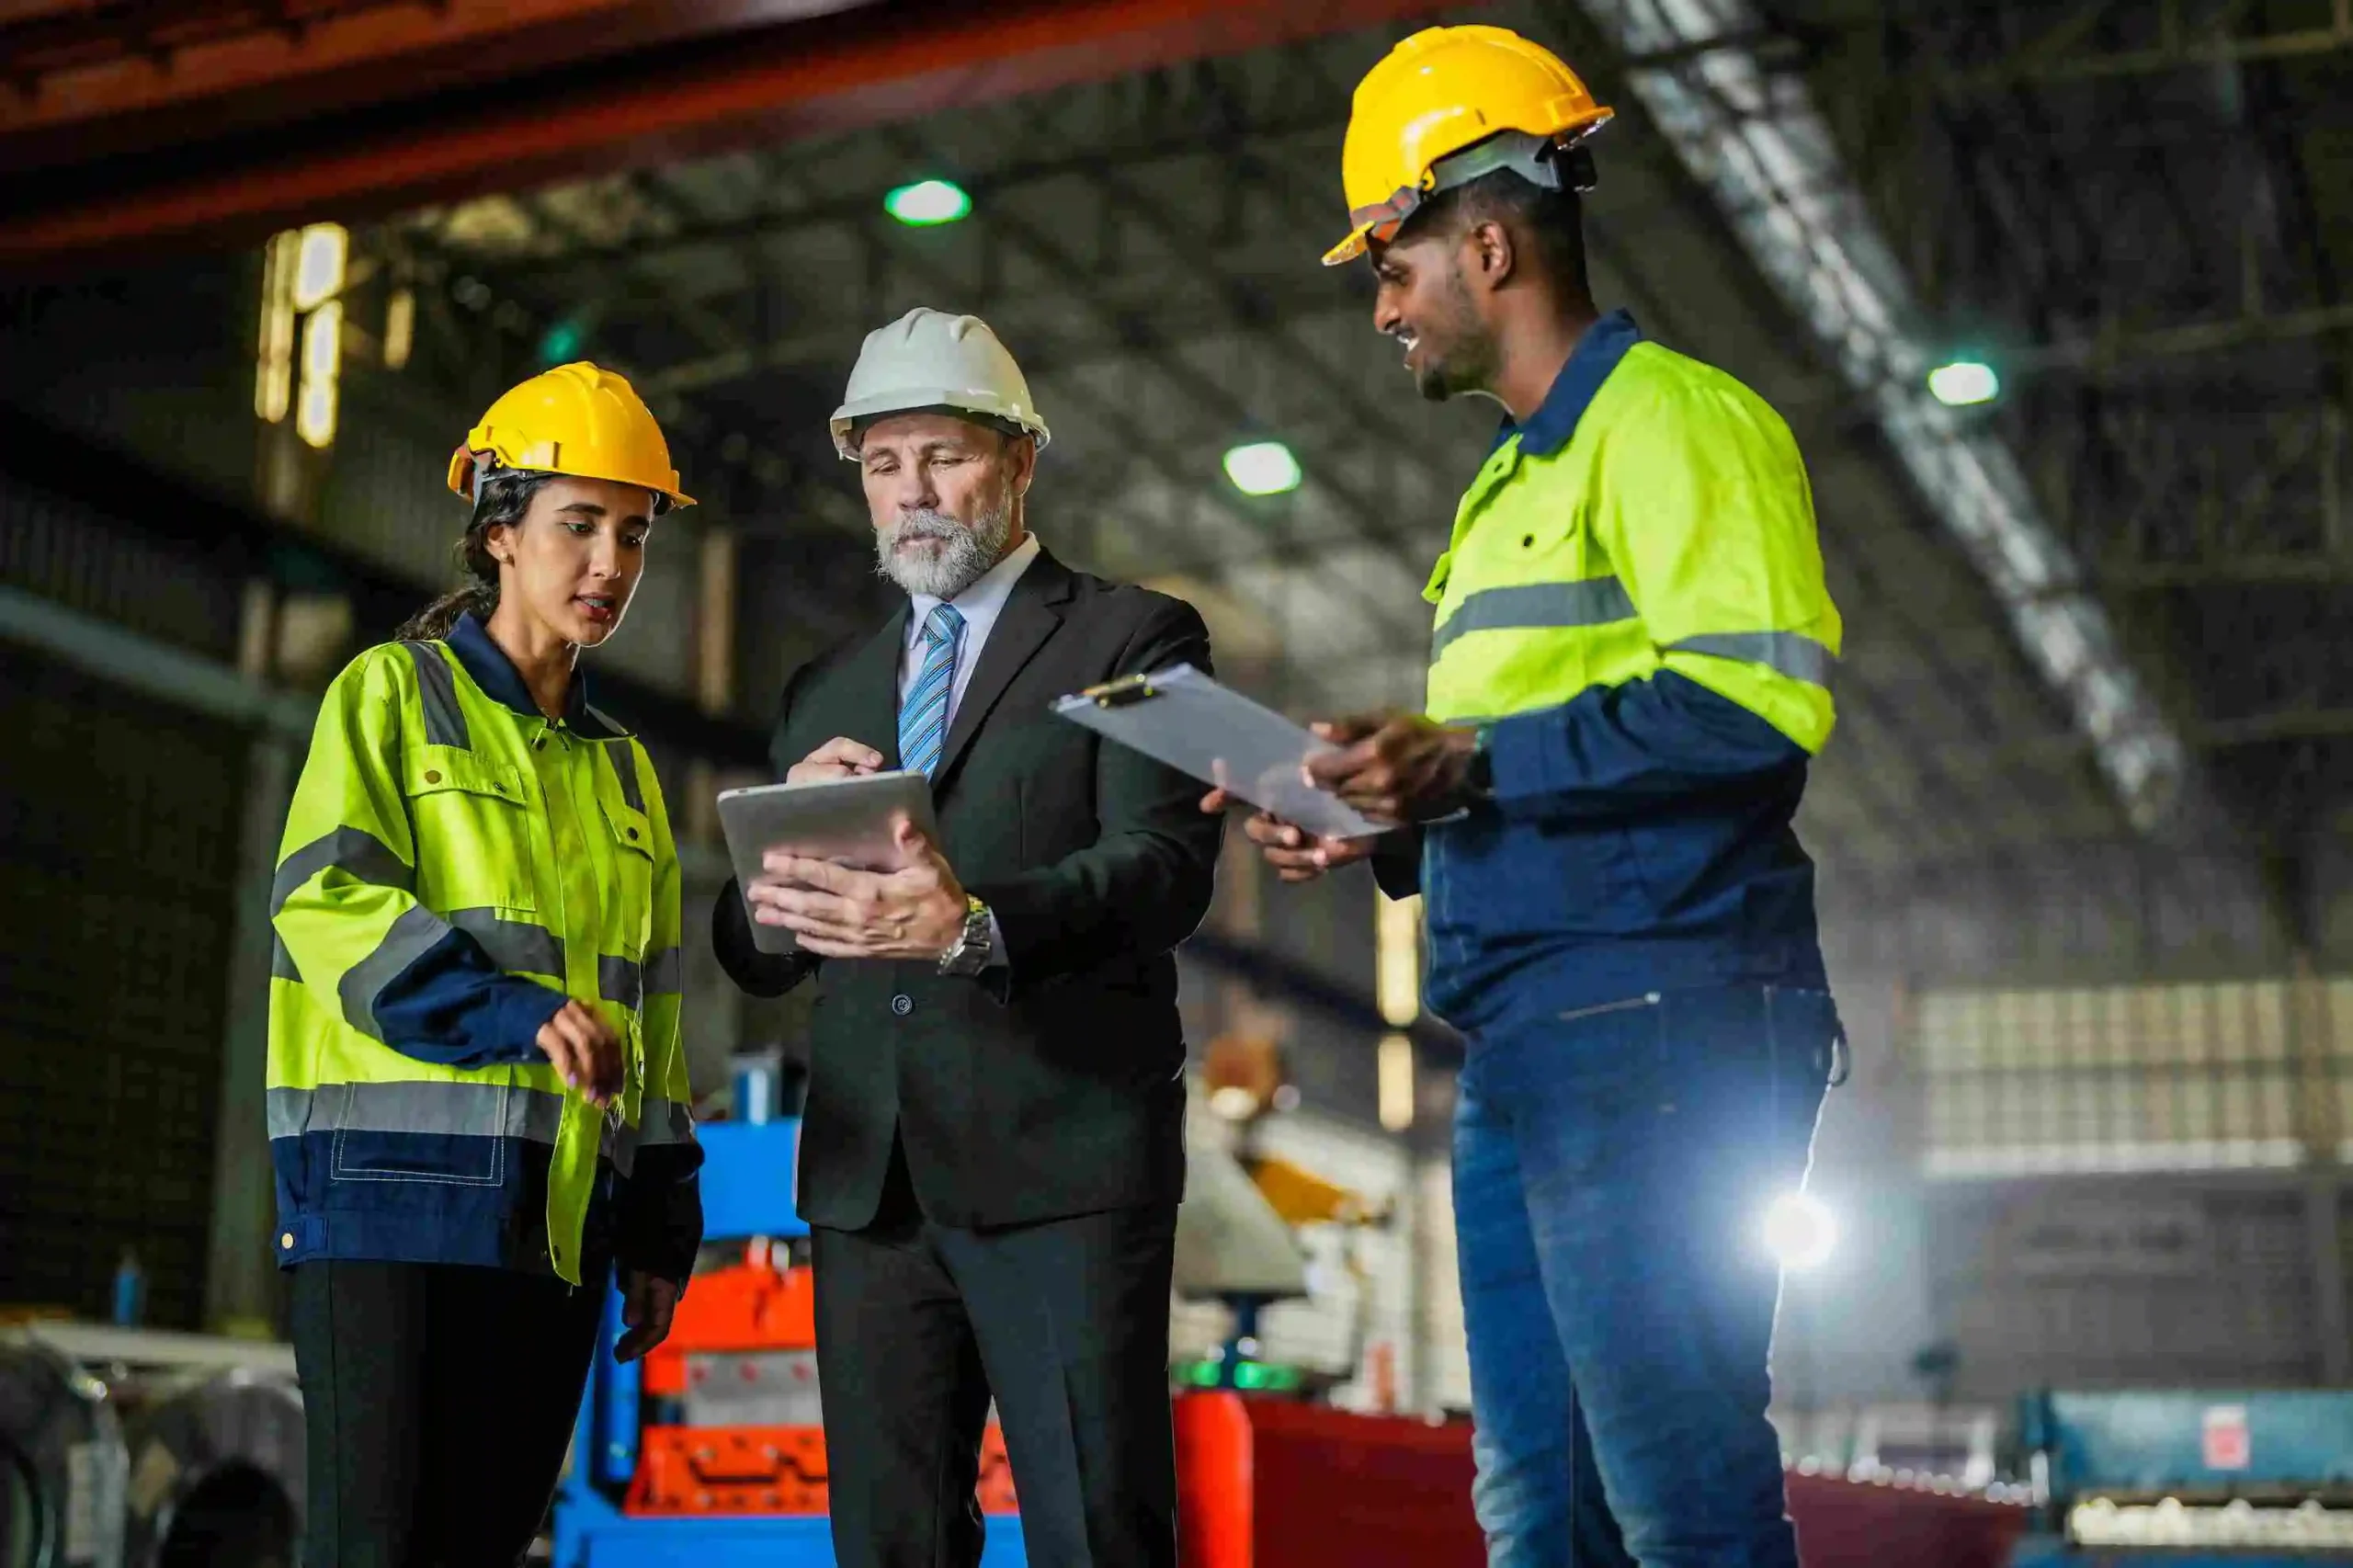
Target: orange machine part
{"type": "Point", "coordinates": [689, 1470]}
{"type": "Point", "coordinates": [744, 1307]}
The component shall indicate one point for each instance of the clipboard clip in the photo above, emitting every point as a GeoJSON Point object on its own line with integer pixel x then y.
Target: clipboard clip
{"type": "Point", "coordinates": [1125, 692]}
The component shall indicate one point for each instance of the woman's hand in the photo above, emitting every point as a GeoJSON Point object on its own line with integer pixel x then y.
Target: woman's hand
{"type": "Point", "coordinates": [586, 1051]}
{"type": "Point", "coordinates": [648, 1301]}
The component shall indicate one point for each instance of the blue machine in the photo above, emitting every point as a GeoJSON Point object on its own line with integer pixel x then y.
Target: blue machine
{"type": "Point", "coordinates": [746, 1192]}
{"type": "Point", "coordinates": [2192, 1480]}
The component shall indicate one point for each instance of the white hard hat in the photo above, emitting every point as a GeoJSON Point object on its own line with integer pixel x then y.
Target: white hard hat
{"type": "Point", "coordinates": [931, 360]}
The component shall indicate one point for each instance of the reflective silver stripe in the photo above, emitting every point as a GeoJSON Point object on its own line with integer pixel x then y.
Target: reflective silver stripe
{"type": "Point", "coordinates": [1593, 601]}
{"type": "Point", "coordinates": [624, 758]}
{"type": "Point", "coordinates": [1792, 654]}
{"type": "Point", "coordinates": [353, 851]}
{"type": "Point", "coordinates": [516, 945]}
{"type": "Point", "coordinates": [619, 979]}
{"type": "Point", "coordinates": [412, 936]}
{"type": "Point", "coordinates": [438, 1106]}
{"type": "Point", "coordinates": [445, 721]}
{"type": "Point", "coordinates": [663, 1122]}
{"type": "Point", "coordinates": [664, 973]}
{"type": "Point", "coordinates": [282, 960]}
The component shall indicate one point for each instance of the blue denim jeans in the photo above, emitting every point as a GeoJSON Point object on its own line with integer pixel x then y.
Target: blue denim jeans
{"type": "Point", "coordinates": [1612, 1169]}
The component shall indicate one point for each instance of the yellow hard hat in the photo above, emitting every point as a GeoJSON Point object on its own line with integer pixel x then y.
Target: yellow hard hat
{"type": "Point", "coordinates": [575, 419]}
{"type": "Point", "coordinates": [1440, 92]}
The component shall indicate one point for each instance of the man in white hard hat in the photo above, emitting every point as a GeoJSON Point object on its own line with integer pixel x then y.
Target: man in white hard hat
{"type": "Point", "coordinates": [993, 1147]}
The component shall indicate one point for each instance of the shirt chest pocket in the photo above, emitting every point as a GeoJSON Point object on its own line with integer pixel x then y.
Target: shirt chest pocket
{"type": "Point", "coordinates": [473, 820]}
{"type": "Point", "coordinates": [1536, 533]}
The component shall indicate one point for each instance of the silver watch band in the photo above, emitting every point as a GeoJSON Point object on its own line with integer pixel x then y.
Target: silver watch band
{"type": "Point", "coordinates": [971, 953]}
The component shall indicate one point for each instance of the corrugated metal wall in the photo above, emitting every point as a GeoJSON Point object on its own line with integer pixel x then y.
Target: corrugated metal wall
{"type": "Point", "coordinates": [2152, 1281]}
{"type": "Point", "coordinates": [2114, 1079]}
{"type": "Point", "coordinates": [118, 837]}
{"type": "Point", "coordinates": [162, 363]}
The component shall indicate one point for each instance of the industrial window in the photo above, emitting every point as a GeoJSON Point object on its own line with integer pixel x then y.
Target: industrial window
{"type": "Point", "coordinates": [2131, 1078]}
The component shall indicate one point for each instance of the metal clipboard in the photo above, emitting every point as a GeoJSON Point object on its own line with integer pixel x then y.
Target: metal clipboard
{"type": "Point", "coordinates": [1183, 717]}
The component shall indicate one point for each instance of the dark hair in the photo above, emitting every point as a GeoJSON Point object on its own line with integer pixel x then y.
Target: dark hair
{"type": "Point", "coordinates": [1555, 220]}
{"type": "Point", "coordinates": [502, 496]}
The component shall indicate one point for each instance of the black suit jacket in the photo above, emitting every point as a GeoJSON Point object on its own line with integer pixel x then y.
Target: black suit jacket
{"type": "Point", "coordinates": [1054, 1087]}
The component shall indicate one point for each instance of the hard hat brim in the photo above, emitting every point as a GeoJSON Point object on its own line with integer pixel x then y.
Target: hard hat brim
{"type": "Point", "coordinates": [1349, 249]}
{"type": "Point", "coordinates": [462, 463]}
{"type": "Point", "coordinates": [981, 405]}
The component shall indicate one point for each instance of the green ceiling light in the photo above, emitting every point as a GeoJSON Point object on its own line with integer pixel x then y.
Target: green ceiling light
{"type": "Point", "coordinates": [1262, 468]}
{"type": "Point", "coordinates": [928, 204]}
{"type": "Point", "coordinates": [562, 342]}
{"type": "Point", "coordinates": [1964, 382]}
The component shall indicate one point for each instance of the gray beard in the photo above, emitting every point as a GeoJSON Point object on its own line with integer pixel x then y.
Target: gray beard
{"type": "Point", "coordinates": [963, 559]}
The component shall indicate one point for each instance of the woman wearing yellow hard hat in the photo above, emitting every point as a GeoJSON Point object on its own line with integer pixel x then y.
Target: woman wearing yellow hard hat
{"type": "Point", "coordinates": [478, 1107]}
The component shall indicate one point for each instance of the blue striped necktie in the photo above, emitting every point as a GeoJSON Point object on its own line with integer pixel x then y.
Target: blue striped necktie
{"type": "Point", "coordinates": [922, 715]}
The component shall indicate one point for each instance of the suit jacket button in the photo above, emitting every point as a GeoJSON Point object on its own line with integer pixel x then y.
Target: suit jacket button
{"type": "Point", "coordinates": [903, 1005]}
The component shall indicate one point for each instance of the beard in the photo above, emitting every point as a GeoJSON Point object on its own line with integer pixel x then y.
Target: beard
{"type": "Point", "coordinates": [1468, 361]}
{"type": "Point", "coordinates": [961, 557]}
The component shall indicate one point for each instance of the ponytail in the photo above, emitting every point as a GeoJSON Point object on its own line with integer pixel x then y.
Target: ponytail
{"type": "Point", "coordinates": [501, 497]}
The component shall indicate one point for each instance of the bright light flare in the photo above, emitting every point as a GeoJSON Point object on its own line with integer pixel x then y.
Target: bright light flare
{"type": "Point", "coordinates": [1964, 382]}
{"type": "Point", "coordinates": [1262, 468]}
{"type": "Point", "coordinates": [1800, 1232]}
{"type": "Point", "coordinates": [319, 265]}
{"type": "Point", "coordinates": [928, 204]}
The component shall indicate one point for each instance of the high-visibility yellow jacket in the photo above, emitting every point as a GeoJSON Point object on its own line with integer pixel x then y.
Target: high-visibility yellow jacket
{"type": "Point", "coordinates": [455, 866]}
{"type": "Point", "coordinates": [1632, 609]}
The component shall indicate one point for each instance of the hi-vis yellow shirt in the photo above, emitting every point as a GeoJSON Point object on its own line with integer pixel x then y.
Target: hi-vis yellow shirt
{"type": "Point", "coordinates": [455, 866]}
{"type": "Point", "coordinates": [1630, 549]}
{"type": "Point", "coordinates": [1632, 609]}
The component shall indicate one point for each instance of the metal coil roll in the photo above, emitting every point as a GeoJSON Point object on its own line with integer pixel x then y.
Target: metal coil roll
{"type": "Point", "coordinates": [61, 1464]}
{"type": "Point", "coordinates": [216, 1472]}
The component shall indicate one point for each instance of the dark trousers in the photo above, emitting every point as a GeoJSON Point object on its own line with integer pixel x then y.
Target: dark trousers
{"type": "Point", "coordinates": [438, 1401]}
{"type": "Point", "coordinates": [1066, 1321]}
{"type": "Point", "coordinates": [1612, 1172]}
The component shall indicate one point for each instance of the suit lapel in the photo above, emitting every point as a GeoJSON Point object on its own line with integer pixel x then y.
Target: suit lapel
{"type": "Point", "coordinates": [874, 686]}
{"type": "Point", "coordinates": [1031, 615]}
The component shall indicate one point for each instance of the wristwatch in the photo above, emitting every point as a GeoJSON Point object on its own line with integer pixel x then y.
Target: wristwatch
{"type": "Point", "coordinates": [972, 951]}
{"type": "Point", "coordinates": [1479, 777]}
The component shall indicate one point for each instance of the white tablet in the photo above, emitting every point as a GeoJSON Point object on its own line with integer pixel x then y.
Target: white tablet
{"type": "Point", "coordinates": [851, 821]}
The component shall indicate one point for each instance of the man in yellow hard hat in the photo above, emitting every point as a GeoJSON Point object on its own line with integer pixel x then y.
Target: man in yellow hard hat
{"type": "Point", "coordinates": [1628, 678]}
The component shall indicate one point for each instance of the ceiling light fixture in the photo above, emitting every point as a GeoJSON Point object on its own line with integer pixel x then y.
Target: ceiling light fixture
{"type": "Point", "coordinates": [928, 204]}
{"type": "Point", "coordinates": [1262, 468]}
{"type": "Point", "coordinates": [1964, 382]}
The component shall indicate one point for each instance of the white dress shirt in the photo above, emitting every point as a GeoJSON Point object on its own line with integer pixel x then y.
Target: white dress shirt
{"type": "Point", "coordinates": [979, 604]}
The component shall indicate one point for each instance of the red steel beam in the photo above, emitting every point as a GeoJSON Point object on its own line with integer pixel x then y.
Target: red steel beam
{"type": "Point", "coordinates": [692, 98]}
{"type": "Point", "coordinates": [92, 82]}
